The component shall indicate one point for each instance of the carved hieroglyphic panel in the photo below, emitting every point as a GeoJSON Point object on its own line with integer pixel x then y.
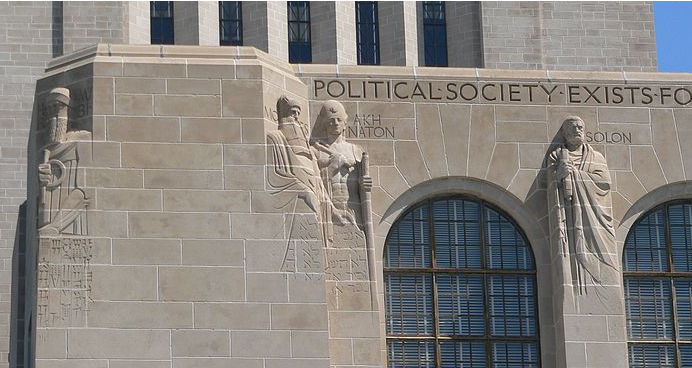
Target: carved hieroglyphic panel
{"type": "Point", "coordinates": [64, 281]}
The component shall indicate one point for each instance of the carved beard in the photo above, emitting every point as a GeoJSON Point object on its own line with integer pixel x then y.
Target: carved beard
{"type": "Point", "coordinates": [58, 129]}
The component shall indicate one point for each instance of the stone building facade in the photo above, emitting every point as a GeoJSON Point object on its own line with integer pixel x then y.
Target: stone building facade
{"type": "Point", "coordinates": [171, 227]}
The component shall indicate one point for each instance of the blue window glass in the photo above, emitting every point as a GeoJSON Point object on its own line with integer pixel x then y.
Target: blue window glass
{"type": "Point", "coordinates": [460, 288]}
{"type": "Point", "coordinates": [161, 22]}
{"type": "Point", "coordinates": [230, 23]}
{"type": "Point", "coordinates": [658, 287]}
{"type": "Point", "coordinates": [435, 33]}
{"type": "Point", "coordinates": [299, 46]}
{"type": "Point", "coordinates": [367, 33]}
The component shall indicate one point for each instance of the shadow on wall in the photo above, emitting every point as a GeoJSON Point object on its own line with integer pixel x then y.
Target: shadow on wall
{"type": "Point", "coordinates": [18, 324]}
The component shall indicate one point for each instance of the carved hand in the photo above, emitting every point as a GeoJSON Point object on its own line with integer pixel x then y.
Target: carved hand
{"type": "Point", "coordinates": [335, 161]}
{"type": "Point", "coordinates": [44, 174]}
{"type": "Point", "coordinates": [343, 217]}
{"type": "Point", "coordinates": [563, 169]}
{"type": "Point", "coordinates": [310, 199]}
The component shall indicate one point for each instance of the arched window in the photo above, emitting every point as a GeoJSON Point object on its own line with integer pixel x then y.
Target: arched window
{"type": "Point", "coordinates": [657, 265]}
{"type": "Point", "coordinates": [460, 288]}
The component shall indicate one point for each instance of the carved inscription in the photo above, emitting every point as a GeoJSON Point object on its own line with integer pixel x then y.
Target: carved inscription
{"type": "Point", "coordinates": [64, 281]}
{"type": "Point", "coordinates": [609, 137]}
{"type": "Point", "coordinates": [503, 92]}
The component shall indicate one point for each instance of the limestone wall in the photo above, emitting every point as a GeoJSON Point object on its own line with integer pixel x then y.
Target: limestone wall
{"type": "Point", "coordinates": [192, 257]}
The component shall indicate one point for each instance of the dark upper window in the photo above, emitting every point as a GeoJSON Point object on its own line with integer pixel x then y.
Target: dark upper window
{"type": "Point", "coordinates": [161, 22]}
{"type": "Point", "coordinates": [299, 48]}
{"type": "Point", "coordinates": [657, 269]}
{"type": "Point", "coordinates": [460, 289]}
{"type": "Point", "coordinates": [367, 33]}
{"type": "Point", "coordinates": [230, 23]}
{"type": "Point", "coordinates": [435, 33]}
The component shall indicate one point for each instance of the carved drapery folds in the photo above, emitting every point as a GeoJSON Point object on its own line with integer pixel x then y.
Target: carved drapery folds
{"type": "Point", "coordinates": [62, 203]}
{"type": "Point", "coordinates": [330, 175]}
{"type": "Point", "coordinates": [580, 209]}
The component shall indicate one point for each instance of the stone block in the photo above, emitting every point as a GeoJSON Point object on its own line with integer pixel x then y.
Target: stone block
{"type": "Point", "coordinates": [623, 115]}
{"type": "Point", "coordinates": [208, 70]}
{"type": "Point", "coordinates": [261, 344]}
{"type": "Point", "coordinates": [171, 156]}
{"type": "Point", "coordinates": [265, 255]}
{"type": "Point", "coordinates": [257, 226]}
{"type": "Point", "coordinates": [299, 316]}
{"type": "Point", "coordinates": [430, 139]}
{"type": "Point", "coordinates": [481, 141]}
{"type": "Point", "coordinates": [244, 154]}
{"type": "Point", "coordinates": [297, 363]}
{"type": "Point", "coordinates": [244, 177]}
{"type": "Point", "coordinates": [233, 316]}
{"type": "Point", "coordinates": [529, 132]}
{"type": "Point", "coordinates": [353, 324]}
{"type": "Point", "coordinates": [140, 85]}
{"type": "Point", "coordinates": [585, 328]}
{"type": "Point", "coordinates": [200, 343]}
{"type": "Point", "coordinates": [310, 344]}
{"type": "Point", "coordinates": [107, 343]}
{"type": "Point", "coordinates": [213, 252]}
{"type": "Point", "coordinates": [140, 315]}
{"type": "Point", "coordinates": [107, 223]}
{"type": "Point", "coordinates": [203, 201]}
{"type": "Point", "coordinates": [521, 113]}
{"type": "Point", "coordinates": [618, 157]}
{"type": "Point", "coordinates": [142, 129]}
{"type": "Point", "coordinates": [138, 364]}
{"type": "Point", "coordinates": [154, 69]}
{"type": "Point", "coordinates": [367, 351]}
{"type": "Point", "coordinates": [606, 355]}
{"type": "Point", "coordinates": [666, 144]}
{"type": "Point", "coordinates": [456, 123]}
{"type": "Point", "coordinates": [114, 178]}
{"type": "Point", "coordinates": [647, 167]}
{"type": "Point", "coordinates": [137, 105]}
{"type": "Point", "coordinates": [503, 164]}
{"type": "Point", "coordinates": [166, 105]}
{"type": "Point", "coordinates": [146, 251]}
{"type": "Point", "coordinates": [210, 130]}
{"type": "Point", "coordinates": [410, 162]}
{"type": "Point", "coordinates": [532, 155]}
{"type": "Point", "coordinates": [254, 131]}
{"type": "Point", "coordinates": [71, 363]}
{"type": "Point", "coordinates": [191, 86]}
{"type": "Point", "coordinates": [178, 225]}
{"type": "Point", "coordinates": [267, 287]}
{"type": "Point", "coordinates": [380, 152]}
{"type": "Point", "coordinates": [201, 283]}
{"type": "Point", "coordinates": [54, 344]}
{"type": "Point", "coordinates": [99, 154]}
{"type": "Point", "coordinates": [242, 98]}
{"type": "Point", "coordinates": [128, 199]}
{"type": "Point", "coordinates": [123, 283]}
{"type": "Point", "coordinates": [217, 363]}
{"type": "Point", "coordinates": [183, 179]}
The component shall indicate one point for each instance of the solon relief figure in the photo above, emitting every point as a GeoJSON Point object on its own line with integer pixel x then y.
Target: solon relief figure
{"type": "Point", "coordinates": [580, 208]}
{"type": "Point", "coordinates": [62, 204]}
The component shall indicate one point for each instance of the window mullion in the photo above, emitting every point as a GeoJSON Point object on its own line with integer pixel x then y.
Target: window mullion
{"type": "Point", "coordinates": [433, 265]}
{"type": "Point", "coordinates": [486, 297]}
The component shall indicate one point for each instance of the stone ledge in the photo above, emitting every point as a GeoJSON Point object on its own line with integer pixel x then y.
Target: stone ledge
{"type": "Point", "coordinates": [236, 55]}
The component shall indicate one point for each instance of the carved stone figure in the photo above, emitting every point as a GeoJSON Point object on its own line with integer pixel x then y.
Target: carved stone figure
{"type": "Point", "coordinates": [62, 203]}
{"type": "Point", "coordinates": [340, 164]}
{"type": "Point", "coordinates": [293, 162]}
{"type": "Point", "coordinates": [580, 207]}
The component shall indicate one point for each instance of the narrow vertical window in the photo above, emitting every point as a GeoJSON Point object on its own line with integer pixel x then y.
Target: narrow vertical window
{"type": "Point", "coordinates": [230, 23]}
{"type": "Point", "coordinates": [435, 33]}
{"type": "Point", "coordinates": [161, 22]}
{"type": "Point", "coordinates": [367, 33]}
{"type": "Point", "coordinates": [299, 48]}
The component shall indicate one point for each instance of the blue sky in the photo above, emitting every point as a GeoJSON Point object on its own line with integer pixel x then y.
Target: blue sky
{"type": "Point", "coordinates": [673, 25]}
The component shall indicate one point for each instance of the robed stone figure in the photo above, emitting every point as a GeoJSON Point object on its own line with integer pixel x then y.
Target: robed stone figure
{"type": "Point", "coordinates": [580, 206]}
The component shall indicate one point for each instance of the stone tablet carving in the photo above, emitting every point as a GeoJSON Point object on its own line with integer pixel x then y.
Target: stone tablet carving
{"type": "Point", "coordinates": [580, 206]}
{"type": "Point", "coordinates": [62, 204]}
{"type": "Point", "coordinates": [331, 176]}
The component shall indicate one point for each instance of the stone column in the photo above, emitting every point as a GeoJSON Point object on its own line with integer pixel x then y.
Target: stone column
{"type": "Point", "coordinates": [196, 23]}
{"type": "Point", "coordinates": [398, 33]}
{"type": "Point", "coordinates": [265, 26]}
{"type": "Point", "coordinates": [333, 31]}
